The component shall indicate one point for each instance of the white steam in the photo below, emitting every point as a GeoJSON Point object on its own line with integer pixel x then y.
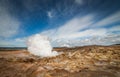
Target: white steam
{"type": "Point", "coordinates": [40, 45]}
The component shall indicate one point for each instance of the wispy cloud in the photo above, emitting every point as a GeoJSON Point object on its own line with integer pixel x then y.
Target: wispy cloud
{"type": "Point", "coordinates": [9, 26]}
{"type": "Point", "coordinates": [109, 20]}
{"type": "Point", "coordinates": [49, 14]}
{"type": "Point", "coordinates": [18, 42]}
{"type": "Point", "coordinates": [70, 28]}
{"type": "Point", "coordinates": [88, 33]}
{"type": "Point", "coordinates": [23, 39]}
{"type": "Point", "coordinates": [79, 1]}
{"type": "Point", "coordinates": [114, 28]}
{"type": "Point", "coordinates": [86, 27]}
{"type": "Point", "coordinates": [78, 27]}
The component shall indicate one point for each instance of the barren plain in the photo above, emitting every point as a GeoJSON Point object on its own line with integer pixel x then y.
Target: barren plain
{"type": "Point", "coordinates": [86, 61]}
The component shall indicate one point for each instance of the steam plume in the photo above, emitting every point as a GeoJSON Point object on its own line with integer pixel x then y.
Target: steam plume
{"type": "Point", "coordinates": [40, 45]}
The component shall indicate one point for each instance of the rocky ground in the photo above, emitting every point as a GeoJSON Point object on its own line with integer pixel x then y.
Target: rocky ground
{"type": "Point", "coordinates": [87, 61]}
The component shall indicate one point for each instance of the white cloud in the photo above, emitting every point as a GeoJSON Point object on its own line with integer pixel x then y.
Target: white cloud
{"type": "Point", "coordinates": [94, 40]}
{"type": "Point", "coordinates": [69, 28]}
{"type": "Point", "coordinates": [83, 31]}
{"type": "Point", "coordinates": [109, 20]}
{"type": "Point", "coordinates": [4, 43]}
{"type": "Point", "coordinates": [9, 26]}
{"type": "Point", "coordinates": [79, 1]}
{"type": "Point", "coordinates": [49, 14]}
{"type": "Point", "coordinates": [19, 42]}
{"type": "Point", "coordinates": [76, 24]}
{"type": "Point", "coordinates": [73, 30]}
{"type": "Point", "coordinates": [21, 39]}
{"type": "Point", "coordinates": [88, 33]}
{"type": "Point", "coordinates": [115, 28]}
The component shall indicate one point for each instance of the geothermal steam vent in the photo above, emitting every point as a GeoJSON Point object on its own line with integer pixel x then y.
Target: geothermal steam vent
{"type": "Point", "coordinates": [40, 45]}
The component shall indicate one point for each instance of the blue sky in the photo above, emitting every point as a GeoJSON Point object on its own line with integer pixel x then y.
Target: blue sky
{"type": "Point", "coordinates": [65, 22]}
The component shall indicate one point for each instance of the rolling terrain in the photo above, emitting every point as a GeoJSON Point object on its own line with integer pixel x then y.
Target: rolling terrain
{"type": "Point", "coordinates": [85, 61]}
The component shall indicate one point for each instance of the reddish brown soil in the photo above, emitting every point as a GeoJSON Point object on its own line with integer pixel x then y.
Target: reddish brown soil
{"type": "Point", "coordinates": [87, 61]}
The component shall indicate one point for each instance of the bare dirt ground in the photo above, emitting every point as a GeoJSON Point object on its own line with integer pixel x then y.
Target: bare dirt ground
{"type": "Point", "coordinates": [87, 61]}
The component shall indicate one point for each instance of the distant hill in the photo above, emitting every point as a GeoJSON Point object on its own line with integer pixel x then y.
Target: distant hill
{"type": "Point", "coordinates": [12, 48]}
{"type": "Point", "coordinates": [116, 44]}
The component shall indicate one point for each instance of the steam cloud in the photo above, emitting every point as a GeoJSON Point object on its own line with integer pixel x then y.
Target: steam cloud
{"type": "Point", "coordinates": [40, 45]}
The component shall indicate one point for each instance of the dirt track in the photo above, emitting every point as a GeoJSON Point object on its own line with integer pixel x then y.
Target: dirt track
{"type": "Point", "coordinates": [87, 61]}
